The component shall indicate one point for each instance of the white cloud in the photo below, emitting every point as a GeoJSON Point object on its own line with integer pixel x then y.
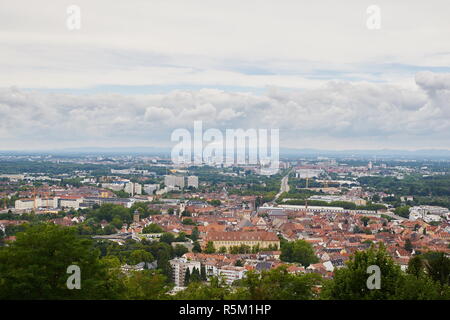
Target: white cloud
{"type": "Point", "coordinates": [336, 115]}
{"type": "Point", "coordinates": [329, 81]}
{"type": "Point", "coordinates": [211, 43]}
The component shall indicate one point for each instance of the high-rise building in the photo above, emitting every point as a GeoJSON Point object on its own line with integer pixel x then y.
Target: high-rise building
{"type": "Point", "coordinates": [133, 188]}
{"type": "Point", "coordinates": [137, 188]}
{"type": "Point", "coordinates": [150, 188]}
{"type": "Point", "coordinates": [174, 181]}
{"type": "Point", "coordinates": [179, 267]}
{"type": "Point", "coordinates": [192, 181]}
{"type": "Point", "coordinates": [129, 188]}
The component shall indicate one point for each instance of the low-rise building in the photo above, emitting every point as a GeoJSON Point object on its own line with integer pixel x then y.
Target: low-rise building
{"type": "Point", "coordinates": [236, 238]}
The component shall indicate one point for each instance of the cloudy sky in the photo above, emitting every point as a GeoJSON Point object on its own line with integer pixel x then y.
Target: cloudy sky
{"type": "Point", "coordinates": [137, 70]}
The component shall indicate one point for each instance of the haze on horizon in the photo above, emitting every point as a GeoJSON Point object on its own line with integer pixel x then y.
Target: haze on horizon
{"type": "Point", "coordinates": [136, 71]}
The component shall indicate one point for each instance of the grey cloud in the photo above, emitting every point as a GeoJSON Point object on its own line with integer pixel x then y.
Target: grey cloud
{"type": "Point", "coordinates": [338, 111]}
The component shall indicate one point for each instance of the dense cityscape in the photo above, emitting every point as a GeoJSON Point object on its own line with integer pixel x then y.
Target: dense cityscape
{"type": "Point", "coordinates": [165, 231]}
{"type": "Point", "coordinates": [224, 159]}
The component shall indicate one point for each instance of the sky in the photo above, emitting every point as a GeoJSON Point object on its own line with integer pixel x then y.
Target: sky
{"type": "Point", "coordinates": [137, 70]}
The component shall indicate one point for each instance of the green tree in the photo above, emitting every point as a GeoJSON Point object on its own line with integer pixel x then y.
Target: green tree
{"type": "Point", "coordinates": [195, 275]}
{"type": "Point", "coordinates": [181, 237]}
{"type": "Point", "coordinates": [187, 277]}
{"type": "Point", "coordinates": [179, 250]}
{"type": "Point", "coordinates": [416, 266]}
{"type": "Point", "coordinates": [410, 287]}
{"type": "Point", "coordinates": [402, 211]}
{"type": "Point", "coordinates": [152, 228]}
{"type": "Point", "coordinates": [277, 284]}
{"type": "Point", "coordinates": [35, 266]}
{"type": "Point", "coordinates": [298, 251]}
{"type": "Point", "coordinates": [210, 247]}
{"type": "Point", "coordinates": [195, 235]}
{"type": "Point", "coordinates": [203, 273]}
{"type": "Point", "coordinates": [167, 238]}
{"type": "Point", "coordinates": [437, 265]}
{"type": "Point", "coordinates": [350, 282]}
{"type": "Point", "coordinates": [365, 221]}
{"type": "Point", "coordinates": [188, 221]}
{"type": "Point", "coordinates": [196, 247]}
{"type": "Point", "coordinates": [408, 245]}
{"type": "Point", "coordinates": [215, 289]}
{"type": "Point", "coordinates": [146, 285]}
{"type": "Point", "coordinates": [138, 256]}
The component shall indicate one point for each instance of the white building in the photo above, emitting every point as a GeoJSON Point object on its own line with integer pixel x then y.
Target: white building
{"type": "Point", "coordinates": [231, 273]}
{"type": "Point", "coordinates": [73, 203]}
{"type": "Point", "coordinates": [174, 181]}
{"type": "Point", "coordinates": [29, 203]}
{"type": "Point", "coordinates": [150, 188]}
{"type": "Point", "coordinates": [428, 213]}
{"type": "Point", "coordinates": [192, 181]}
{"type": "Point", "coordinates": [308, 173]}
{"type": "Point", "coordinates": [113, 186]}
{"type": "Point", "coordinates": [179, 267]}
{"type": "Point", "coordinates": [133, 188]}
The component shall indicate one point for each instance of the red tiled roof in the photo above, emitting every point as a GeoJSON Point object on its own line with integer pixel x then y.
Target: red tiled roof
{"type": "Point", "coordinates": [241, 236]}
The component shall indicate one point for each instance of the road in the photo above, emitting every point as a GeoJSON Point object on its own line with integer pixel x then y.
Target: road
{"type": "Point", "coordinates": [394, 216]}
{"type": "Point", "coordinates": [284, 187]}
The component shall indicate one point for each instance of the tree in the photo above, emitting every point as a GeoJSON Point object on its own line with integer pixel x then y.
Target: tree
{"type": "Point", "coordinates": [179, 250]}
{"type": "Point", "coordinates": [203, 272]}
{"type": "Point", "coordinates": [210, 247]}
{"type": "Point", "coordinates": [438, 267]}
{"type": "Point", "coordinates": [195, 234]}
{"type": "Point", "coordinates": [276, 284]}
{"type": "Point", "coordinates": [109, 229]}
{"type": "Point", "coordinates": [365, 221]}
{"type": "Point", "coordinates": [163, 252]}
{"type": "Point", "coordinates": [152, 228]}
{"type": "Point", "coordinates": [195, 275]}
{"type": "Point", "coordinates": [187, 277]}
{"type": "Point", "coordinates": [188, 221]}
{"type": "Point", "coordinates": [35, 266]}
{"type": "Point", "coordinates": [408, 245]}
{"type": "Point", "coordinates": [138, 256]}
{"type": "Point", "coordinates": [215, 202]}
{"type": "Point", "coordinates": [402, 211]}
{"type": "Point", "coordinates": [196, 247]}
{"type": "Point", "coordinates": [181, 237]}
{"type": "Point", "coordinates": [410, 287]}
{"type": "Point", "coordinates": [215, 289]}
{"type": "Point", "coordinates": [146, 285]}
{"type": "Point", "coordinates": [416, 266]}
{"type": "Point", "coordinates": [167, 238]}
{"type": "Point", "coordinates": [298, 251]}
{"type": "Point", "coordinates": [186, 213]}
{"type": "Point", "coordinates": [350, 282]}
{"type": "Point", "coordinates": [117, 222]}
